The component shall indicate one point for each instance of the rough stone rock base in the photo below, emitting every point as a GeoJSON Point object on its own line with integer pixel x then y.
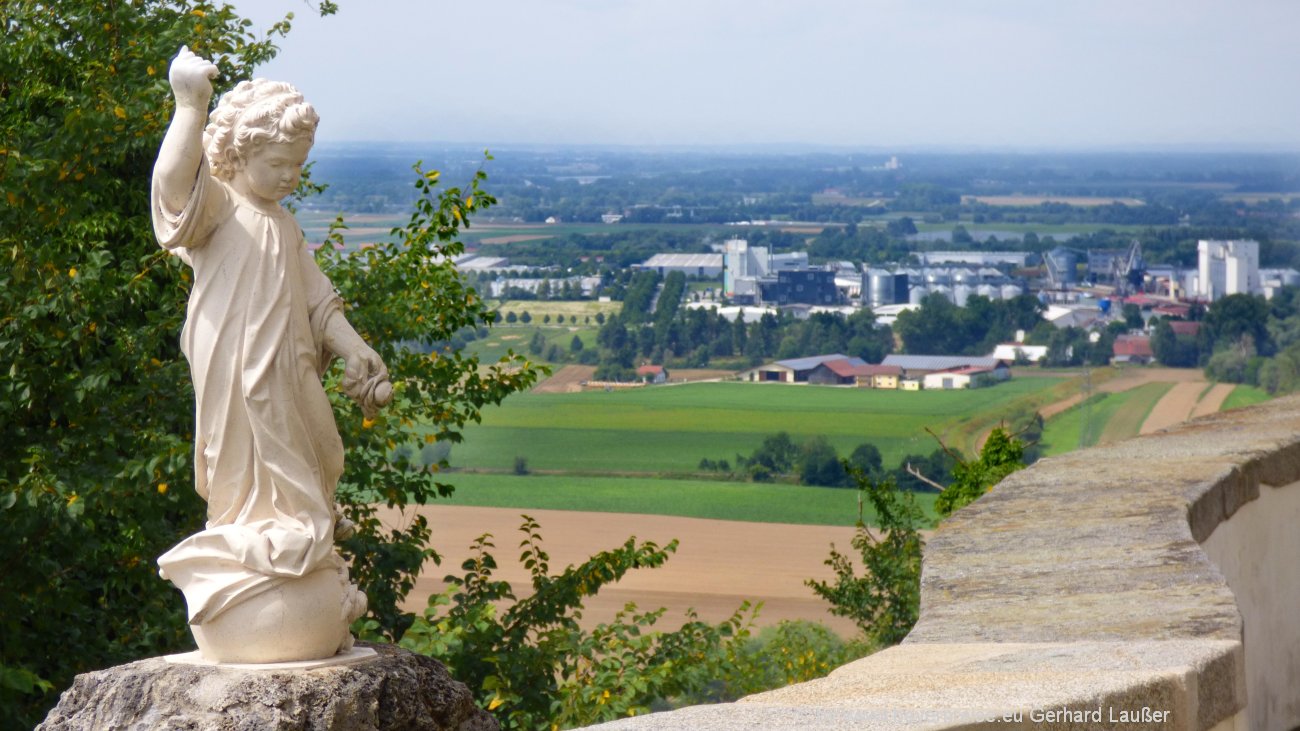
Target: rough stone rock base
{"type": "Point", "coordinates": [396, 691]}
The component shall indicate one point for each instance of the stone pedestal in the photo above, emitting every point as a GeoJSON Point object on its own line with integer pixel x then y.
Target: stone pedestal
{"type": "Point", "coordinates": [396, 690]}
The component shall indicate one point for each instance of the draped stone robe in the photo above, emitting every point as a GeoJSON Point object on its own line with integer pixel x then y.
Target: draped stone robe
{"type": "Point", "coordinates": [267, 453]}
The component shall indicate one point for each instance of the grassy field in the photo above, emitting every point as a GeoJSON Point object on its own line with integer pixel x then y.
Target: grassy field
{"type": "Point", "coordinates": [503, 338]}
{"type": "Point", "coordinates": [1253, 198]}
{"type": "Point", "coordinates": [670, 429]}
{"type": "Point", "coordinates": [1245, 396]}
{"type": "Point", "coordinates": [1060, 230]}
{"type": "Point", "coordinates": [1035, 200]}
{"type": "Point", "coordinates": [755, 502]}
{"type": "Point", "coordinates": [1111, 417]}
{"type": "Point", "coordinates": [539, 308]}
{"type": "Point", "coordinates": [1126, 419]}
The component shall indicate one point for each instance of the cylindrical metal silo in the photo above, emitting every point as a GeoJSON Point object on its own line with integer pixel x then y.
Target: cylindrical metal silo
{"type": "Point", "coordinates": [880, 288]}
{"type": "Point", "coordinates": [961, 294]}
{"type": "Point", "coordinates": [1065, 263]}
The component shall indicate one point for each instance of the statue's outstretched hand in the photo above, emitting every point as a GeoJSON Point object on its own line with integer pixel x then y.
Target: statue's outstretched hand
{"type": "Point", "coordinates": [365, 380]}
{"type": "Point", "coordinates": [191, 79]}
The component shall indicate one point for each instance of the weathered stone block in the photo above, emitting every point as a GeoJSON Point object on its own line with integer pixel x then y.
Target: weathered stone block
{"type": "Point", "coordinates": [396, 691]}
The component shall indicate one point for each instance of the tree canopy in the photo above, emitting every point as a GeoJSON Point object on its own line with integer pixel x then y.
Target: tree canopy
{"type": "Point", "coordinates": [96, 407]}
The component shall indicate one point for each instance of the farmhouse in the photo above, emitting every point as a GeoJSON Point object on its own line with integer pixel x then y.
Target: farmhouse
{"type": "Point", "coordinates": [918, 366]}
{"type": "Point", "coordinates": [1132, 349]}
{"type": "Point", "coordinates": [652, 374]}
{"type": "Point", "coordinates": [844, 372]}
{"type": "Point", "coordinates": [878, 376]}
{"type": "Point", "coordinates": [967, 377]}
{"type": "Point", "coordinates": [800, 370]}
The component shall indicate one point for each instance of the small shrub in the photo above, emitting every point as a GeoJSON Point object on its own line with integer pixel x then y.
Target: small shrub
{"type": "Point", "coordinates": [531, 663]}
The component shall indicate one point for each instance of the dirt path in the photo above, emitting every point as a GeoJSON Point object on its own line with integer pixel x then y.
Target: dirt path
{"type": "Point", "coordinates": [1174, 407]}
{"type": "Point", "coordinates": [719, 563]}
{"type": "Point", "coordinates": [1129, 379]}
{"type": "Point", "coordinates": [1212, 402]}
{"type": "Point", "coordinates": [566, 380]}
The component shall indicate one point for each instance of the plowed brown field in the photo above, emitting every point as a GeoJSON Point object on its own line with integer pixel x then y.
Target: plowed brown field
{"type": "Point", "coordinates": [719, 563]}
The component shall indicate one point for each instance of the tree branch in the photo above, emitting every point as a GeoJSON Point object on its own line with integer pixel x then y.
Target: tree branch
{"type": "Point", "coordinates": [914, 472]}
{"type": "Point", "coordinates": [945, 448]}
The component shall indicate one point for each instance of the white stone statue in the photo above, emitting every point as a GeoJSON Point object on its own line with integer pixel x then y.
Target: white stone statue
{"type": "Point", "coordinates": [263, 581]}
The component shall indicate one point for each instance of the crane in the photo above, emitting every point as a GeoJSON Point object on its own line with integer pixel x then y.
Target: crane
{"type": "Point", "coordinates": [1127, 270]}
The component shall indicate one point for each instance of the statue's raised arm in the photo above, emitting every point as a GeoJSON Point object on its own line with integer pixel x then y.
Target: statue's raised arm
{"type": "Point", "coordinates": [181, 153]}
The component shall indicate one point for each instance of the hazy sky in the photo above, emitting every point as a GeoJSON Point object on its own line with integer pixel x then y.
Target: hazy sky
{"type": "Point", "coordinates": [876, 73]}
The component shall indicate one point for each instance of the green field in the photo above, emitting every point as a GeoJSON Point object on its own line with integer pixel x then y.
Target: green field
{"type": "Point", "coordinates": [1126, 418]}
{"type": "Point", "coordinates": [1245, 396]}
{"type": "Point", "coordinates": [503, 338]}
{"type": "Point", "coordinates": [1059, 230]}
{"type": "Point", "coordinates": [670, 429]}
{"type": "Point", "coordinates": [756, 502]}
{"type": "Point", "coordinates": [1109, 417]}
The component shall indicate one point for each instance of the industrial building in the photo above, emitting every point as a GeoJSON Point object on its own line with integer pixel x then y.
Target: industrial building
{"type": "Point", "coordinates": [796, 370]}
{"type": "Point", "coordinates": [803, 287]}
{"type": "Point", "coordinates": [918, 366]}
{"type": "Point", "coordinates": [1227, 267]}
{"type": "Point", "coordinates": [976, 258]}
{"type": "Point", "coordinates": [707, 266]}
{"type": "Point", "coordinates": [881, 287]}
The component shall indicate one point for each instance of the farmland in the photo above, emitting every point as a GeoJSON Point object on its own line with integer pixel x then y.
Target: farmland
{"type": "Point", "coordinates": [1245, 396]}
{"type": "Point", "coordinates": [639, 450]}
{"type": "Point", "coordinates": [1107, 417]}
{"type": "Point", "coordinates": [1036, 200]}
{"type": "Point", "coordinates": [654, 431]}
{"type": "Point", "coordinates": [716, 500]}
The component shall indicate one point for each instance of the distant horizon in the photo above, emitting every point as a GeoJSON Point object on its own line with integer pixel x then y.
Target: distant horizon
{"type": "Point", "coordinates": [946, 75]}
{"type": "Point", "coordinates": [1226, 148]}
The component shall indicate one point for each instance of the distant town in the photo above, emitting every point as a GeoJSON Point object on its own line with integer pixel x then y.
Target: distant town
{"type": "Point", "coordinates": [731, 261]}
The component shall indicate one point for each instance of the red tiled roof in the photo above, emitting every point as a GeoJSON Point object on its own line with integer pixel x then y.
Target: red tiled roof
{"type": "Point", "coordinates": [1184, 327]}
{"type": "Point", "coordinates": [841, 368]}
{"type": "Point", "coordinates": [649, 370]}
{"type": "Point", "coordinates": [1173, 309]}
{"type": "Point", "coordinates": [1133, 346]}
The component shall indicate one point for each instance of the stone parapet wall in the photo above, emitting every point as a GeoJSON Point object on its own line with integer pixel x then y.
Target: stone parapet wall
{"type": "Point", "coordinates": [1084, 593]}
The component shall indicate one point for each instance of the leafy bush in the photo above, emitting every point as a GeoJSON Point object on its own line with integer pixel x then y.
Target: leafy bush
{"type": "Point", "coordinates": [790, 652]}
{"type": "Point", "coordinates": [536, 668]}
{"type": "Point", "coordinates": [95, 467]}
{"type": "Point", "coordinates": [1001, 455]}
{"type": "Point", "coordinates": [884, 601]}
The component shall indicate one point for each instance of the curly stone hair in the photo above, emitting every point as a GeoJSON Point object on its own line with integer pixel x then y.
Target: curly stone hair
{"type": "Point", "coordinates": [250, 115]}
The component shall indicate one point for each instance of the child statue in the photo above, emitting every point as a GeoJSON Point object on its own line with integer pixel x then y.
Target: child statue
{"type": "Point", "coordinates": [262, 581]}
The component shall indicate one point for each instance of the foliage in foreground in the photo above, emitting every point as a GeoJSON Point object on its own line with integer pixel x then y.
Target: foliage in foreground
{"type": "Point", "coordinates": [1002, 454]}
{"type": "Point", "coordinates": [96, 406]}
{"type": "Point", "coordinates": [884, 601]}
{"type": "Point", "coordinates": [535, 667]}
{"type": "Point", "coordinates": [95, 400]}
{"type": "Point", "coordinates": [791, 652]}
